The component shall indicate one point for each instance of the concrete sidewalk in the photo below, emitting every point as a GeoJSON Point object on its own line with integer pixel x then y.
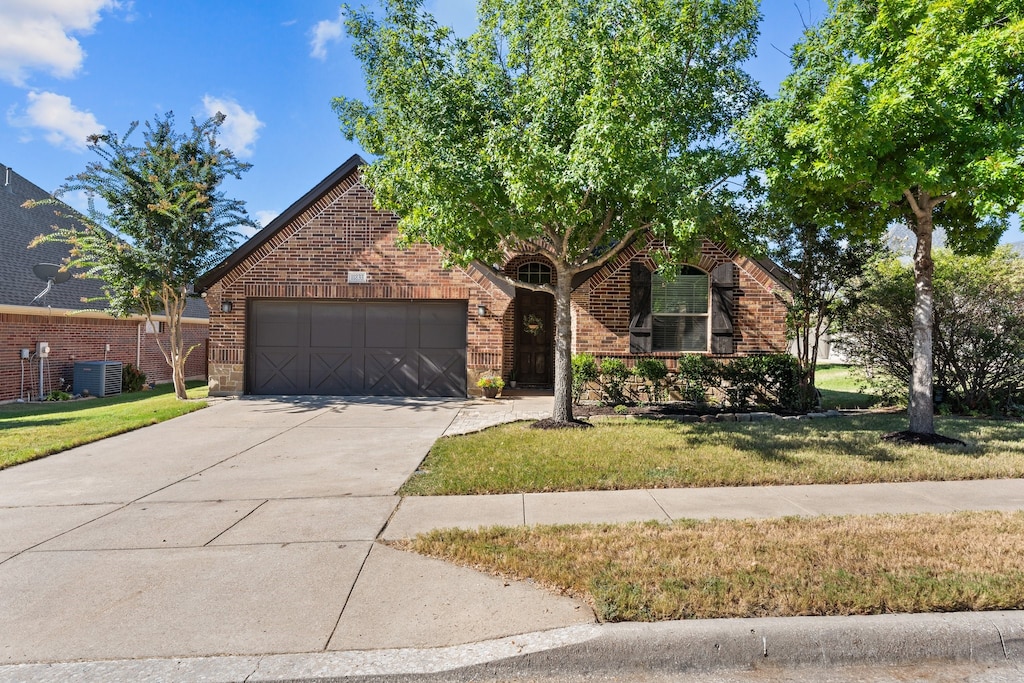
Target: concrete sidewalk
{"type": "Point", "coordinates": [240, 543]}
{"type": "Point", "coordinates": [418, 514]}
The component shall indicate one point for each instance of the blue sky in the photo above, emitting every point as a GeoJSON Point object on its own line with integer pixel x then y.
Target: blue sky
{"type": "Point", "coordinates": [69, 68]}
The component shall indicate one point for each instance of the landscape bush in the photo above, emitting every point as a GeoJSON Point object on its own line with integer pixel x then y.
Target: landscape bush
{"type": "Point", "coordinates": [652, 372]}
{"type": "Point", "coordinates": [614, 375]}
{"type": "Point", "coordinates": [768, 381]}
{"type": "Point", "coordinates": [132, 378]}
{"type": "Point", "coordinates": [584, 371]}
{"type": "Point", "coordinates": [978, 344]}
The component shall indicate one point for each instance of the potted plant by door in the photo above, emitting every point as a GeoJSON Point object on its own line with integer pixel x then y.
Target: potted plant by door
{"type": "Point", "coordinates": [490, 385]}
{"type": "Point", "coordinates": [512, 378]}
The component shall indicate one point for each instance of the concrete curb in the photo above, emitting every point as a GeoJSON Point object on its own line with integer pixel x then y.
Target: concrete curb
{"type": "Point", "coordinates": [995, 638]}
{"type": "Point", "coordinates": [821, 642]}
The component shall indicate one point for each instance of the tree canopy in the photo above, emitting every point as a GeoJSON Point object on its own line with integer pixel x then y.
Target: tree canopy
{"type": "Point", "coordinates": [567, 128]}
{"type": "Point", "coordinates": [914, 109]}
{"type": "Point", "coordinates": [161, 221]}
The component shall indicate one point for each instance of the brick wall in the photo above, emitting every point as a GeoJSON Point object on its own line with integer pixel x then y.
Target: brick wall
{"type": "Point", "coordinates": [310, 258]}
{"type": "Point", "coordinates": [76, 337]}
{"type": "Point", "coordinates": [601, 306]}
{"type": "Point", "coordinates": [340, 231]}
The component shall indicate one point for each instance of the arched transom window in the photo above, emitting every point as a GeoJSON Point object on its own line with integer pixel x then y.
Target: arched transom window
{"type": "Point", "coordinates": [534, 273]}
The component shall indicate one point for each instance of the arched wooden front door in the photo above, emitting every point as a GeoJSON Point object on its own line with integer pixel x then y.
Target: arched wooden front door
{"type": "Point", "coordinates": [535, 328]}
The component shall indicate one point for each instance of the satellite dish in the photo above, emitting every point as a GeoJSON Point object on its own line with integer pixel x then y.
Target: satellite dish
{"type": "Point", "coordinates": [50, 273]}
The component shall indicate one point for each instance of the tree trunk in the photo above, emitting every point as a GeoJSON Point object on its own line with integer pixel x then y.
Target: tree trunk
{"type": "Point", "coordinates": [922, 411]}
{"type": "Point", "coordinates": [175, 355]}
{"type": "Point", "coordinates": [178, 357]}
{"type": "Point", "coordinates": [562, 408]}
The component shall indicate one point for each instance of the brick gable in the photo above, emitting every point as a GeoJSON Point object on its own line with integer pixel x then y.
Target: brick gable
{"type": "Point", "coordinates": [311, 257]}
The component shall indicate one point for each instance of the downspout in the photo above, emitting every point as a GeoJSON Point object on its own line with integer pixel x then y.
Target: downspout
{"type": "Point", "coordinates": [138, 347]}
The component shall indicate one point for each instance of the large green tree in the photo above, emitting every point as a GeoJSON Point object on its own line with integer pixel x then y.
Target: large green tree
{"type": "Point", "coordinates": [917, 107]}
{"type": "Point", "coordinates": [161, 221]}
{"type": "Point", "coordinates": [567, 128]}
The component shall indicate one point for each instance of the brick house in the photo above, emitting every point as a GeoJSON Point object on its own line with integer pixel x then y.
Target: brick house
{"type": "Point", "coordinates": [73, 329]}
{"type": "Point", "coordinates": [323, 301]}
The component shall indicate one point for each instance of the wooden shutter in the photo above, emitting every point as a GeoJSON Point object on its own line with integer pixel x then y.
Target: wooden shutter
{"type": "Point", "coordinates": [722, 309]}
{"type": "Point", "coordinates": [640, 320]}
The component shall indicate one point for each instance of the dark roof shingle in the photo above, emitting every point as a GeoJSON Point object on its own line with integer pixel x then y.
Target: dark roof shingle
{"type": "Point", "coordinates": [18, 227]}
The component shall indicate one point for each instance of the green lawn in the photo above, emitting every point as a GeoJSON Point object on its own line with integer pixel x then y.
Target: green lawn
{"type": "Point", "coordinates": [33, 430]}
{"type": "Point", "coordinates": [840, 388]}
{"type": "Point", "coordinates": [630, 454]}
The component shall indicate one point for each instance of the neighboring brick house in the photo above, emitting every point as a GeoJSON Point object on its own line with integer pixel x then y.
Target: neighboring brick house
{"type": "Point", "coordinates": [323, 301]}
{"type": "Point", "coordinates": [58, 318]}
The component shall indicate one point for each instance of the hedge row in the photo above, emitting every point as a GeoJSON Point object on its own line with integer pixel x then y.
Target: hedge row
{"type": "Point", "coordinates": [765, 381]}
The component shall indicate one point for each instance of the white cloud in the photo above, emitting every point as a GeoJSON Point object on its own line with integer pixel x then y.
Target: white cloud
{"type": "Point", "coordinates": [325, 32]}
{"type": "Point", "coordinates": [77, 200]}
{"type": "Point", "coordinates": [37, 35]}
{"type": "Point", "coordinates": [63, 125]}
{"type": "Point", "coordinates": [264, 217]}
{"type": "Point", "coordinates": [240, 129]}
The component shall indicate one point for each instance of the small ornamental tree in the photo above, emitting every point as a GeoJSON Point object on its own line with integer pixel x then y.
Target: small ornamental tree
{"type": "Point", "coordinates": [917, 107]}
{"type": "Point", "coordinates": [568, 128]}
{"type": "Point", "coordinates": [164, 221]}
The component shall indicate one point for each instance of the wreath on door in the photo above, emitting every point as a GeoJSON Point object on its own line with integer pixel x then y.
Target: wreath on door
{"type": "Point", "coordinates": [532, 324]}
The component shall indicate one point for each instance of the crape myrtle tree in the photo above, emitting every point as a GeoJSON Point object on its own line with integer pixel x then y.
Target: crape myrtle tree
{"type": "Point", "coordinates": [915, 106]}
{"type": "Point", "coordinates": [162, 221]}
{"type": "Point", "coordinates": [567, 128]}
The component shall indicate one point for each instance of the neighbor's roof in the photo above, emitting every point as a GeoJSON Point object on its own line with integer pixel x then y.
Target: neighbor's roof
{"type": "Point", "coordinates": [18, 227]}
{"type": "Point", "coordinates": [256, 241]}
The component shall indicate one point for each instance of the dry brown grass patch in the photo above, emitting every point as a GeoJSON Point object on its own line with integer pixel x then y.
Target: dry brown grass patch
{"type": "Point", "coordinates": [776, 567]}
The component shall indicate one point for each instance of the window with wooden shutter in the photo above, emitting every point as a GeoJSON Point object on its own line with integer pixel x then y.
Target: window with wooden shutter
{"type": "Point", "coordinates": [680, 309]}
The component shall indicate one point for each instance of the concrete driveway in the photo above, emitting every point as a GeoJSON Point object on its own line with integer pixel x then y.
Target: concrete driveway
{"type": "Point", "coordinates": [245, 528]}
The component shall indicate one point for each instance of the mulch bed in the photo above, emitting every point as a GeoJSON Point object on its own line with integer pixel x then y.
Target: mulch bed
{"type": "Point", "coordinates": [548, 423]}
{"type": "Point", "coordinates": [921, 439]}
{"type": "Point", "coordinates": [654, 409]}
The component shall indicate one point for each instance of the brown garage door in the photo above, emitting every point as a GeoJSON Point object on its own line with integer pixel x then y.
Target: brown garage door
{"type": "Point", "coordinates": [357, 349]}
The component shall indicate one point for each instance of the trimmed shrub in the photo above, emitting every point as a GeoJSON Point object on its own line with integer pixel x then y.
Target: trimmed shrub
{"type": "Point", "coordinates": [584, 371]}
{"type": "Point", "coordinates": [771, 380]}
{"type": "Point", "coordinates": [132, 378]}
{"type": "Point", "coordinates": [695, 376]}
{"type": "Point", "coordinates": [614, 375]}
{"type": "Point", "coordinates": [652, 371]}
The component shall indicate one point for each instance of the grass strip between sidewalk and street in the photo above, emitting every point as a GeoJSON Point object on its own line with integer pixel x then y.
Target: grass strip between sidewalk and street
{"type": "Point", "coordinates": [639, 453]}
{"type": "Point", "coordinates": [33, 430]}
{"type": "Point", "coordinates": [758, 568]}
